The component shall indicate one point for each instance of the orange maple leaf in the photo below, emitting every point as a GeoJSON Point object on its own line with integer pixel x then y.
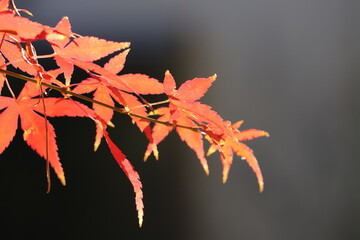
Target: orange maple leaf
{"type": "Point", "coordinates": [227, 144]}
{"type": "Point", "coordinates": [223, 136]}
{"type": "Point", "coordinates": [188, 93]}
{"type": "Point", "coordinates": [132, 175]}
{"type": "Point", "coordinates": [33, 124]}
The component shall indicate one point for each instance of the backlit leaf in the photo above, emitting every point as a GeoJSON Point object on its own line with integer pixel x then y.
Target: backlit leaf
{"type": "Point", "coordinates": [34, 135]}
{"type": "Point", "coordinates": [61, 34]}
{"type": "Point", "coordinates": [251, 134]}
{"type": "Point", "coordinates": [132, 175]}
{"type": "Point", "coordinates": [142, 83]}
{"type": "Point", "coordinates": [169, 84]}
{"type": "Point", "coordinates": [116, 64]}
{"type": "Point", "coordinates": [193, 139]}
{"type": "Point", "coordinates": [91, 48]}
{"type": "Point", "coordinates": [25, 29]}
{"type": "Point", "coordinates": [194, 89]}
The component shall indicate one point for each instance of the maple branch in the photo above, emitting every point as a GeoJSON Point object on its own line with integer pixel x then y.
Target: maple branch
{"type": "Point", "coordinates": [65, 91]}
{"type": "Point", "coordinates": [152, 104]}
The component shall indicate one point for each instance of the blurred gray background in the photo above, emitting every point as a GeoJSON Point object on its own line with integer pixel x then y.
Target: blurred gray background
{"type": "Point", "coordinates": [290, 67]}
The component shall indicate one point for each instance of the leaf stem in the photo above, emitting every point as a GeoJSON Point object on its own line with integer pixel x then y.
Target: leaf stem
{"type": "Point", "coordinates": [48, 177]}
{"type": "Point", "coordinates": [10, 89]}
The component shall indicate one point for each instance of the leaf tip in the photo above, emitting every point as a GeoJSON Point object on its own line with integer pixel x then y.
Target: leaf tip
{"type": "Point", "coordinates": [211, 150]}
{"type": "Point", "coordinates": [156, 153]}
{"type": "Point", "coordinates": [140, 220]}
{"type": "Point", "coordinates": [261, 186]}
{"type": "Point", "coordinates": [148, 153]}
{"type": "Point", "coordinates": [62, 179]}
{"type": "Point", "coordinates": [238, 124]}
{"type": "Point", "coordinates": [213, 77]}
{"type": "Point", "coordinates": [111, 124]}
{"type": "Point", "coordinates": [146, 156]}
{"type": "Point", "coordinates": [225, 174]}
{"type": "Point", "coordinates": [206, 169]}
{"type": "Point", "coordinates": [97, 144]}
{"type": "Point", "coordinates": [224, 179]}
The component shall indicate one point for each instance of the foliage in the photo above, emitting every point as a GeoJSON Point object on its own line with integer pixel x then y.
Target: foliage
{"type": "Point", "coordinates": [111, 92]}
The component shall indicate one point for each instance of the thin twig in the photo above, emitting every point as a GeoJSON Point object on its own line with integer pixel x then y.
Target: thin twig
{"type": "Point", "coordinates": [65, 91]}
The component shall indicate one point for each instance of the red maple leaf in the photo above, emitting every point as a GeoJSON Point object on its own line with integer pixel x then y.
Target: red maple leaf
{"type": "Point", "coordinates": [31, 112]}
{"type": "Point", "coordinates": [132, 175]}
{"type": "Point", "coordinates": [188, 93]}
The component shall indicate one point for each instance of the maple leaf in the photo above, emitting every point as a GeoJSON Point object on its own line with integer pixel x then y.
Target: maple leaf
{"type": "Point", "coordinates": [227, 144]}
{"type": "Point", "coordinates": [132, 175]}
{"type": "Point", "coordinates": [59, 38]}
{"type": "Point", "coordinates": [247, 134]}
{"type": "Point", "coordinates": [184, 102]}
{"type": "Point", "coordinates": [33, 125]}
{"type": "Point", "coordinates": [223, 136]}
{"type": "Point", "coordinates": [90, 48]}
{"type": "Point", "coordinates": [190, 90]}
{"type": "Point", "coordinates": [105, 92]}
{"type": "Point", "coordinates": [188, 93]}
{"type": "Point", "coordinates": [82, 48]}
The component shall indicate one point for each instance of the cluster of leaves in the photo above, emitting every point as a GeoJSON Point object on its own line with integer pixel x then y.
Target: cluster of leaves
{"type": "Point", "coordinates": [180, 111]}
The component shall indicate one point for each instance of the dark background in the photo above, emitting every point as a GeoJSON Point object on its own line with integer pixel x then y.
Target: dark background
{"type": "Point", "coordinates": [288, 67]}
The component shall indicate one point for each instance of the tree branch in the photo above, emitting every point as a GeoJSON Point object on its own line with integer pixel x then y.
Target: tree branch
{"type": "Point", "coordinates": [66, 91]}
